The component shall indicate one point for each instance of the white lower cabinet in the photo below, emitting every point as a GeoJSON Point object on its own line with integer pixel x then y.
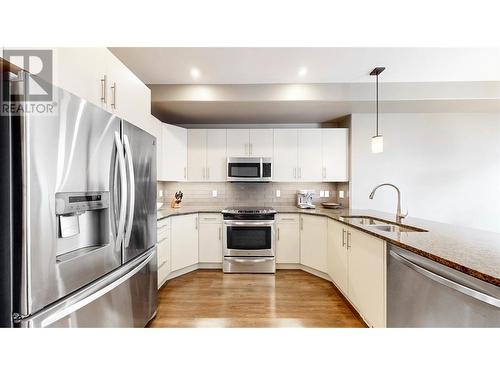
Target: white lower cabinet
{"type": "Point", "coordinates": [313, 241]}
{"type": "Point", "coordinates": [367, 284]}
{"type": "Point", "coordinates": [210, 238]}
{"type": "Point", "coordinates": [357, 265]}
{"type": "Point", "coordinates": [337, 256]}
{"type": "Point", "coordinates": [163, 250]}
{"type": "Point", "coordinates": [287, 238]}
{"type": "Point", "coordinates": [184, 241]}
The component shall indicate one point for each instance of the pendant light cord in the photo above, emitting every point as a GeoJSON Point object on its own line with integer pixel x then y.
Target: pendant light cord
{"type": "Point", "coordinates": [377, 105]}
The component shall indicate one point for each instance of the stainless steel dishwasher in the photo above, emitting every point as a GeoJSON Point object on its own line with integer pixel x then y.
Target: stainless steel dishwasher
{"type": "Point", "coordinates": [423, 293]}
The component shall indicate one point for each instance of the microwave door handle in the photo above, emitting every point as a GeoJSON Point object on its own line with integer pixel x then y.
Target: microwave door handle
{"type": "Point", "coordinates": [131, 207]}
{"type": "Point", "coordinates": [123, 190]}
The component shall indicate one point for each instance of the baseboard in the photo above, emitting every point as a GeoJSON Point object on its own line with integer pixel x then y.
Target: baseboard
{"type": "Point", "coordinates": [205, 266]}
{"type": "Point", "coordinates": [297, 266]}
{"type": "Point", "coordinates": [182, 271]}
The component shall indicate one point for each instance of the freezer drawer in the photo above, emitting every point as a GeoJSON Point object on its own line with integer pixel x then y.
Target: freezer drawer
{"type": "Point", "coordinates": [423, 293]}
{"type": "Point", "coordinates": [124, 298]}
{"type": "Point", "coordinates": [249, 265]}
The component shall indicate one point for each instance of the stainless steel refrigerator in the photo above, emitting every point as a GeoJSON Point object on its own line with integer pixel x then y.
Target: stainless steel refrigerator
{"type": "Point", "coordinates": [80, 226]}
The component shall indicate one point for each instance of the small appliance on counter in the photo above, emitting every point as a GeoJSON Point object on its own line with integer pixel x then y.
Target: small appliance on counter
{"type": "Point", "coordinates": [305, 199]}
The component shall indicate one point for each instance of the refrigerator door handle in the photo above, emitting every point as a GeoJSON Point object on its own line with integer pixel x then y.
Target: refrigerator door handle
{"type": "Point", "coordinates": [131, 203]}
{"type": "Point", "coordinates": [123, 189]}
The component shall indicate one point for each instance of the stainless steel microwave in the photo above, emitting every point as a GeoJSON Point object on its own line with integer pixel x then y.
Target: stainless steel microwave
{"type": "Point", "coordinates": [249, 169]}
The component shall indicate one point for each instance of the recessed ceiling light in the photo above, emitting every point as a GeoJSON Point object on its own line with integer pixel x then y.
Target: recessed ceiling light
{"type": "Point", "coordinates": [302, 71]}
{"type": "Point", "coordinates": [195, 73]}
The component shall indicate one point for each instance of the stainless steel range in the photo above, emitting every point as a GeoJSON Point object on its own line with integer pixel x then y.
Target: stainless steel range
{"type": "Point", "coordinates": [249, 240]}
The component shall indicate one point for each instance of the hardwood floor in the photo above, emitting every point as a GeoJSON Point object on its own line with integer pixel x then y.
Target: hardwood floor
{"type": "Point", "coordinates": [291, 298]}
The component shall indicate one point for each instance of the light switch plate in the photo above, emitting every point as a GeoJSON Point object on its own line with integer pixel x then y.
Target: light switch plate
{"type": "Point", "coordinates": [341, 193]}
{"type": "Point", "coordinates": [321, 194]}
{"type": "Point", "coordinates": [278, 193]}
{"type": "Point", "coordinates": [214, 193]}
{"type": "Point", "coordinates": [327, 193]}
{"type": "Point", "coordinates": [161, 193]}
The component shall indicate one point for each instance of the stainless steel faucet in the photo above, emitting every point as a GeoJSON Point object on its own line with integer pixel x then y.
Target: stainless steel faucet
{"type": "Point", "coordinates": [399, 215]}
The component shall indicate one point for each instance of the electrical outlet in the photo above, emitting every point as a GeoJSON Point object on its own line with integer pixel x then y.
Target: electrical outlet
{"type": "Point", "coordinates": [278, 193]}
{"type": "Point", "coordinates": [327, 193]}
{"type": "Point", "coordinates": [214, 193]}
{"type": "Point", "coordinates": [321, 194]}
{"type": "Point", "coordinates": [341, 194]}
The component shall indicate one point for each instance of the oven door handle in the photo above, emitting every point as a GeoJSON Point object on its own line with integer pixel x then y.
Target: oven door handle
{"type": "Point", "coordinates": [267, 223]}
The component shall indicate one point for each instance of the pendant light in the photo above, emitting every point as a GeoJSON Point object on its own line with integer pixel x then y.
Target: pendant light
{"type": "Point", "coordinates": [377, 140]}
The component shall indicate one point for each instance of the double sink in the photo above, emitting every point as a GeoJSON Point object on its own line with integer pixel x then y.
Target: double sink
{"type": "Point", "coordinates": [379, 224]}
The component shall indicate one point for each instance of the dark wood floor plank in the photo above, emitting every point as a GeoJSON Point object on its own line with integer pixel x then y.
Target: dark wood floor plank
{"type": "Point", "coordinates": [291, 298]}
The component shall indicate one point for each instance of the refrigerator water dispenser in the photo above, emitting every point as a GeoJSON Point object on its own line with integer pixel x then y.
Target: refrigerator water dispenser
{"type": "Point", "coordinates": [83, 222]}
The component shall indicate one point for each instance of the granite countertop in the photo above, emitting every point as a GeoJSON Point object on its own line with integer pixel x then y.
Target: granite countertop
{"type": "Point", "coordinates": [472, 251]}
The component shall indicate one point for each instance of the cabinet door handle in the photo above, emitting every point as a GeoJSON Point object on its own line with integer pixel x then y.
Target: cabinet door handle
{"type": "Point", "coordinates": [196, 223]}
{"type": "Point", "coordinates": [208, 173]}
{"type": "Point", "coordinates": [103, 89]}
{"type": "Point", "coordinates": [278, 236]}
{"type": "Point", "coordinates": [294, 172]}
{"type": "Point", "coordinates": [113, 88]}
{"type": "Point", "coordinates": [348, 240]}
{"type": "Point", "coordinates": [220, 233]}
{"type": "Point", "coordinates": [343, 237]}
{"type": "Point", "coordinates": [301, 223]}
{"type": "Point", "coordinates": [299, 172]}
{"type": "Point", "coordinates": [324, 172]}
{"type": "Point", "coordinates": [204, 174]}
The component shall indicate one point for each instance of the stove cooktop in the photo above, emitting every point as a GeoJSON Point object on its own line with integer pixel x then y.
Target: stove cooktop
{"type": "Point", "coordinates": [249, 210]}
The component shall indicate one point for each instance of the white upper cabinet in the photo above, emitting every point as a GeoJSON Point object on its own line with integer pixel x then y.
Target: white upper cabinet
{"type": "Point", "coordinates": [206, 154]}
{"type": "Point", "coordinates": [96, 75]}
{"type": "Point", "coordinates": [261, 142]}
{"type": "Point", "coordinates": [250, 142]}
{"type": "Point", "coordinates": [335, 154]}
{"type": "Point", "coordinates": [238, 142]}
{"type": "Point", "coordinates": [174, 153]}
{"type": "Point", "coordinates": [216, 155]}
{"type": "Point", "coordinates": [126, 96]}
{"type": "Point", "coordinates": [310, 156]}
{"type": "Point", "coordinates": [197, 154]}
{"type": "Point", "coordinates": [285, 155]}
{"type": "Point", "coordinates": [74, 73]}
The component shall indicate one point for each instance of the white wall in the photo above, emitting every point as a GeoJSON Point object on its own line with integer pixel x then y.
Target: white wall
{"type": "Point", "coordinates": [447, 166]}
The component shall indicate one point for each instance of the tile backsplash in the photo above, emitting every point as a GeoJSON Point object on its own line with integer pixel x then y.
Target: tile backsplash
{"type": "Point", "coordinates": [249, 194]}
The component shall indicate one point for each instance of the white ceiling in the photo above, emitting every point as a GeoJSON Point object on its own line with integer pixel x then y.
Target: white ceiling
{"type": "Point", "coordinates": [324, 65]}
